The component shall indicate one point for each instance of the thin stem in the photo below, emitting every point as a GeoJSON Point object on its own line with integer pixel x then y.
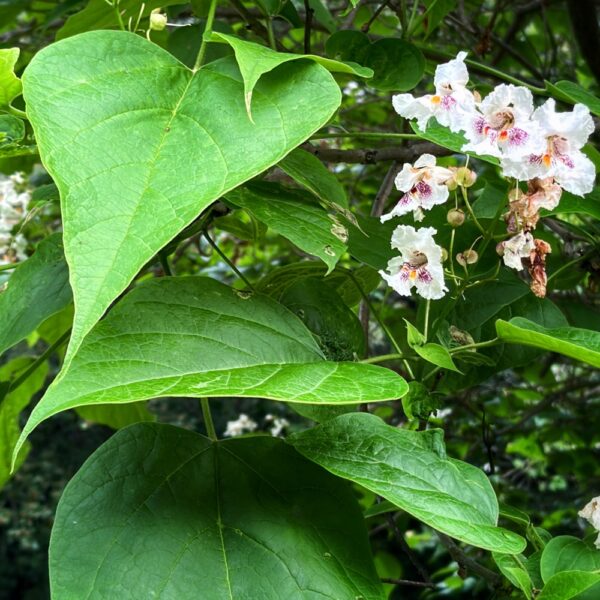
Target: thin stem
{"type": "Point", "coordinates": [118, 14]}
{"type": "Point", "coordinates": [382, 358]}
{"type": "Point", "coordinates": [8, 267]}
{"type": "Point", "coordinates": [208, 422]}
{"type": "Point", "coordinates": [366, 135]}
{"type": "Point", "coordinates": [413, 14]}
{"type": "Point", "coordinates": [164, 262]}
{"type": "Point", "coordinates": [475, 345]}
{"type": "Point", "coordinates": [408, 582]}
{"type": "Point", "coordinates": [227, 260]}
{"type": "Point", "coordinates": [16, 112]}
{"type": "Point", "coordinates": [271, 34]}
{"type": "Point", "coordinates": [427, 306]}
{"type": "Point", "coordinates": [308, 15]}
{"type": "Point", "coordinates": [39, 361]}
{"type": "Point", "coordinates": [207, 31]}
{"type": "Point", "coordinates": [470, 209]}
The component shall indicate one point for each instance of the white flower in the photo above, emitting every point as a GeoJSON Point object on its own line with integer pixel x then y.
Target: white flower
{"type": "Point", "coordinates": [423, 187]}
{"type": "Point", "coordinates": [502, 124]}
{"type": "Point", "coordinates": [278, 424]}
{"type": "Point", "coordinates": [419, 263]}
{"type": "Point", "coordinates": [14, 198]}
{"type": "Point", "coordinates": [243, 424]}
{"type": "Point", "coordinates": [591, 512]}
{"type": "Point", "coordinates": [517, 248]}
{"type": "Point", "coordinates": [451, 101]}
{"type": "Point", "coordinates": [558, 153]}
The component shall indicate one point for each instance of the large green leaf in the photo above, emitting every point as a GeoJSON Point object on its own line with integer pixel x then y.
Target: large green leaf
{"type": "Point", "coordinates": [11, 405]}
{"type": "Point", "coordinates": [294, 216]}
{"type": "Point", "coordinates": [161, 512]}
{"type": "Point", "coordinates": [581, 344]}
{"type": "Point", "coordinates": [135, 168]}
{"type": "Point", "coordinates": [10, 84]}
{"type": "Point", "coordinates": [254, 60]}
{"type": "Point", "coordinates": [410, 469]}
{"type": "Point", "coordinates": [194, 336]}
{"type": "Point", "coordinates": [398, 65]}
{"type": "Point", "coordinates": [568, 553]}
{"type": "Point", "coordinates": [37, 289]}
{"type": "Point", "coordinates": [568, 584]}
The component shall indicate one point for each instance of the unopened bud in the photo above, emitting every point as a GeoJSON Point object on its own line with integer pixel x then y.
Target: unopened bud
{"type": "Point", "coordinates": [500, 248]}
{"type": "Point", "coordinates": [444, 255]}
{"type": "Point", "coordinates": [468, 257]}
{"type": "Point", "coordinates": [462, 337]}
{"type": "Point", "coordinates": [465, 177]}
{"type": "Point", "coordinates": [456, 217]}
{"type": "Point", "coordinates": [477, 97]}
{"type": "Point", "coordinates": [158, 20]}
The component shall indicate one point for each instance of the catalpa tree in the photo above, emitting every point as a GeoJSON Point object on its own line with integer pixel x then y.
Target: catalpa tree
{"type": "Point", "coordinates": [377, 223]}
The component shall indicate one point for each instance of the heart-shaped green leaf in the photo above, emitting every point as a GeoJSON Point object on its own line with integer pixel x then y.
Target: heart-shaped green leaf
{"type": "Point", "coordinates": [194, 336]}
{"type": "Point", "coordinates": [161, 512]}
{"type": "Point", "coordinates": [567, 553]}
{"type": "Point", "coordinates": [410, 469]}
{"type": "Point", "coordinates": [136, 167]}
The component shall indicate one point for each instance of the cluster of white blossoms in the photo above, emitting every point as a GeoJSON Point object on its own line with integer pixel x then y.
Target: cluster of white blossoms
{"type": "Point", "coordinates": [14, 198]}
{"type": "Point", "coordinates": [244, 424]}
{"type": "Point", "coordinates": [537, 145]}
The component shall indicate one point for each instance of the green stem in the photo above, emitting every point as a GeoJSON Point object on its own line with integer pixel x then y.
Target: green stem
{"type": "Point", "coordinates": [271, 34]}
{"type": "Point", "coordinates": [208, 422]}
{"type": "Point", "coordinates": [8, 267]}
{"type": "Point", "coordinates": [475, 345]}
{"type": "Point", "coordinates": [426, 329]}
{"type": "Point", "coordinates": [17, 113]}
{"type": "Point", "coordinates": [465, 196]}
{"type": "Point", "coordinates": [118, 14]}
{"type": "Point", "coordinates": [367, 135]}
{"type": "Point", "coordinates": [207, 31]}
{"type": "Point", "coordinates": [39, 361]}
{"type": "Point", "coordinates": [383, 358]}
{"type": "Point", "coordinates": [165, 264]}
{"type": "Point", "coordinates": [227, 260]}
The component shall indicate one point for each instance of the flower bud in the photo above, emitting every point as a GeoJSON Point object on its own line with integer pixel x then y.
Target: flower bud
{"type": "Point", "coordinates": [465, 177]}
{"type": "Point", "coordinates": [444, 255]}
{"type": "Point", "coordinates": [158, 20]}
{"type": "Point", "coordinates": [462, 337]}
{"type": "Point", "coordinates": [500, 248]}
{"type": "Point", "coordinates": [468, 257]}
{"type": "Point", "coordinates": [456, 217]}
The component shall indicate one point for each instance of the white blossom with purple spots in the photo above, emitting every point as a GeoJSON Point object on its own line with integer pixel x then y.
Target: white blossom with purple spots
{"type": "Point", "coordinates": [450, 103]}
{"type": "Point", "coordinates": [419, 264]}
{"type": "Point", "coordinates": [558, 151]}
{"type": "Point", "coordinates": [423, 185]}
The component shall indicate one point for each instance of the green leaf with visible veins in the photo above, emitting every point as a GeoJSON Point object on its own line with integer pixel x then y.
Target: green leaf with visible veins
{"type": "Point", "coordinates": [137, 167]}
{"type": "Point", "coordinates": [255, 60]}
{"type": "Point", "coordinates": [581, 344]}
{"type": "Point", "coordinates": [195, 337]}
{"type": "Point", "coordinates": [410, 469]}
{"type": "Point", "coordinates": [568, 584]}
{"type": "Point", "coordinates": [293, 215]}
{"type": "Point", "coordinates": [37, 289]}
{"type": "Point", "coordinates": [10, 84]}
{"type": "Point", "coordinates": [158, 511]}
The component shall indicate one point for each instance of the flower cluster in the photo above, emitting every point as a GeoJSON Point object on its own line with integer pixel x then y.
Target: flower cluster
{"type": "Point", "coordinates": [14, 198]}
{"type": "Point", "coordinates": [536, 145]}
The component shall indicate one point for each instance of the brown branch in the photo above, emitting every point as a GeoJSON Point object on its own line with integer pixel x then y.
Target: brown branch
{"type": "Point", "coordinates": [371, 156]}
{"type": "Point", "coordinates": [466, 563]}
{"type": "Point", "coordinates": [408, 582]}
